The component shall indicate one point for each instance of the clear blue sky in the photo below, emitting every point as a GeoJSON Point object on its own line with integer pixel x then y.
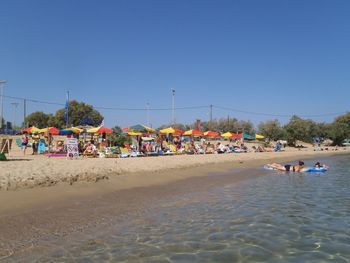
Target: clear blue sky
{"type": "Point", "coordinates": [277, 57]}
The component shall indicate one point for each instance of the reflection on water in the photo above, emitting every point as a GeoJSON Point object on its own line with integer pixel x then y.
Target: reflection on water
{"type": "Point", "coordinates": [271, 218]}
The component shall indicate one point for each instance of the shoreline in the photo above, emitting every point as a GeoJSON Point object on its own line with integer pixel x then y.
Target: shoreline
{"type": "Point", "coordinates": [39, 171]}
{"type": "Point", "coordinates": [23, 198]}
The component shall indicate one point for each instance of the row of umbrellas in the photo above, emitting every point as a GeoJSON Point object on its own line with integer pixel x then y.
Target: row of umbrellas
{"type": "Point", "coordinates": [55, 131]}
{"type": "Point", "coordinates": [138, 130]}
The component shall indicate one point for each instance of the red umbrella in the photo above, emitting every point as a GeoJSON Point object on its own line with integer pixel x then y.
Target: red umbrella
{"type": "Point", "coordinates": [236, 136]}
{"type": "Point", "coordinates": [53, 130]}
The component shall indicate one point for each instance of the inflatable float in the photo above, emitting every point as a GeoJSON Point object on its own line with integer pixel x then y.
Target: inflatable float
{"type": "Point", "coordinates": [304, 170]}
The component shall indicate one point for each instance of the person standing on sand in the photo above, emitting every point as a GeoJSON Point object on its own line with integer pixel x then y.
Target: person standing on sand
{"type": "Point", "coordinates": [35, 142]}
{"type": "Point", "coordinates": [24, 142]}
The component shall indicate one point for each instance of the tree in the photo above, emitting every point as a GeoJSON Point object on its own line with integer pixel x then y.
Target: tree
{"type": "Point", "coordinates": [117, 138]}
{"type": "Point", "coordinates": [79, 114]}
{"type": "Point", "coordinates": [300, 129]}
{"type": "Point", "coordinates": [38, 119]}
{"type": "Point", "coordinates": [272, 129]}
{"type": "Point", "coordinates": [340, 129]}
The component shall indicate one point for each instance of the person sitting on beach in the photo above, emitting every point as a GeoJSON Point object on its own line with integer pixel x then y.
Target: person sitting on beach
{"type": "Point", "coordinates": [90, 149]}
{"type": "Point", "coordinates": [287, 167]}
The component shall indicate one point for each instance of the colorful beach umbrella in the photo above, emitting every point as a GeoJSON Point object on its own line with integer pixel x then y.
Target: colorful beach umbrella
{"type": "Point", "coordinates": [227, 134]}
{"type": "Point", "coordinates": [259, 136]}
{"type": "Point", "coordinates": [141, 128]}
{"type": "Point", "coordinates": [134, 133]}
{"type": "Point", "coordinates": [171, 130]}
{"type": "Point", "coordinates": [194, 133]}
{"type": "Point", "coordinates": [100, 130]}
{"type": "Point", "coordinates": [211, 134]}
{"type": "Point", "coordinates": [236, 136]}
{"type": "Point", "coordinates": [31, 129]}
{"type": "Point", "coordinates": [52, 130]}
{"type": "Point", "coordinates": [76, 129]}
{"type": "Point", "coordinates": [248, 136]}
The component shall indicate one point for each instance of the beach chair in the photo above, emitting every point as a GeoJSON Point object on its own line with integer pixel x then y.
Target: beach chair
{"type": "Point", "coordinates": [42, 146]}
{"type": "Point", "coordinates": [5, 147]}
{"type": "Point", "coordinates": [124, 152]}
{"type": "Point", "coordinates": [172, 148]}
{"type": "Point", "coordinates": [19, 142]}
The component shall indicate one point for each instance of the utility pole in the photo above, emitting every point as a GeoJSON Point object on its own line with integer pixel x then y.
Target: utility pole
{"type": "Point", "coordinates": [173, 106]}
{"type": "Point", "coordinates": [24, 113]}
{"type": "Point", "coordinates": [147, 114]}
{"type": "Point", "coordinates": [2, 84]}
{"type": "Point", "coordinates": [67, 109]}
{"type": "Point", "coordinates": [211, 116]}
{"type": "Point", "coordinates": [15, 105]}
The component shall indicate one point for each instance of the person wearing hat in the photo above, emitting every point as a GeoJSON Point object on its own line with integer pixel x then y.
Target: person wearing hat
{"type": "Point", "coordinates": [35, 142]}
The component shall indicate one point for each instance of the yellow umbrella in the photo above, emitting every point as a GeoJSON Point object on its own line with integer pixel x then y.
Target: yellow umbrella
{"type": "Point", "coordinates": [259, 136]}
{"type": "Point", "coordinates": [76, 130]}
{"type": "Point", "coordinates": [194, 133]}
{"type": "Point", "coordinates": [134, 133]}
{"type": "Point", "coordinates": [171, 130]}
{"type": "Point", "coordinates": [227, 134]}
{"type": "Point", "coordinates": [149, 129]}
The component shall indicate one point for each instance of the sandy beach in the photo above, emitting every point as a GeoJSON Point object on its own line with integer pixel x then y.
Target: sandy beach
{"type": "Point", "coordinates": [37, 171]}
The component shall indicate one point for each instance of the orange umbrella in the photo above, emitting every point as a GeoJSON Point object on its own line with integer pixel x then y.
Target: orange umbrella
{"type": "Point", "coordinates": [51, 130]}
{"type": "Point", "coordinates": [194, 133]}
{"type": "Point", "coordinates": [172, 130]}
{"type": "Point", "coordinates": [101, 129]}
{"type": "Point", "coordinates": [212, 134]}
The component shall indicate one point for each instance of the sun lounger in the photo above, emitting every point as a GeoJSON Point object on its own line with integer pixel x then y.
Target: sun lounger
{"type": "Point", "coordinates": [124, 152]}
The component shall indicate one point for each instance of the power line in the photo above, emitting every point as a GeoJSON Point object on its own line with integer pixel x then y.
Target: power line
{"type": "Point", "coordinates": [181, 108]}
{"type": "Point", "coordinates": [278, 115]}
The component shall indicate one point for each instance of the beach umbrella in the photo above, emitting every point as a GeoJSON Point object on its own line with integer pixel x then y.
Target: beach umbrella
{"type": "Point", "coordinates": [248, 137]}
{"type": "Point", "coordinates": [227, 134]}
{"type": "Point", "coordinates": [31, 129]}
{"type": "Point", "coordinates": [100, 130]}
{"type": "Point", "coordinates": [52, 130]}
{"type": "Point", "coordinates": [171, 130]}
{"type": "Point", "coordinates": [134, 133]}
{"type": "Point", "coordinates": [259, 136]}
{"type": "Point", "coordinates": [212, 134]}
{"type": "Point", "coordinates": [236, 136]}
{"type": "Point", "coordinates": [194, 133]}
{"type": "Point", "coordinates": [76, 129]}
{"type": "Point", "coordinates": [141, 128]}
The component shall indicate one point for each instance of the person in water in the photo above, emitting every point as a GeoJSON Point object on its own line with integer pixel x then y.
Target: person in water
{"type": "Point", "coordinates": [319, 165]}
{"type": "Point", "coordinates": [287, 167]}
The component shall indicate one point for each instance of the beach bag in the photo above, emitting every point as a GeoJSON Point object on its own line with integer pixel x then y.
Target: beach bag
{"type": "Point", "coordinates": [2, 157]}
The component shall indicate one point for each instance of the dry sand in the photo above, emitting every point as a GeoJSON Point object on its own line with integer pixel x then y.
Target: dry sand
{"type": "Point", "coordinates": [33, 171]}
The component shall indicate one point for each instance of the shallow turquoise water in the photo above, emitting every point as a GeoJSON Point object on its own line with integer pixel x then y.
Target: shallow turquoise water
{"type": "Point", "coordinates": [271, 218]}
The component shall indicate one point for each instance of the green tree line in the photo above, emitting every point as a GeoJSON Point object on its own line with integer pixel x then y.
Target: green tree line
{"type": "Point", "coordinates": [296, 129]}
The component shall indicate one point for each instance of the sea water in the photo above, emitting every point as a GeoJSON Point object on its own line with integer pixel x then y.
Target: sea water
{"type": "Point", "coordinates": [273, 217]}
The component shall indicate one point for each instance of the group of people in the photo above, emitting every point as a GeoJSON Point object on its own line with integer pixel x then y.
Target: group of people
{"type": "Point", "coordinates": [188, 147]}
{"type": "Point", "coordinates": [33, 139]}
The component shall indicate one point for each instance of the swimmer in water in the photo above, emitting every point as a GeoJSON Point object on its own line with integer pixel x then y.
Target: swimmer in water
{"type": "Point", "coordinates": [287, 167]}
